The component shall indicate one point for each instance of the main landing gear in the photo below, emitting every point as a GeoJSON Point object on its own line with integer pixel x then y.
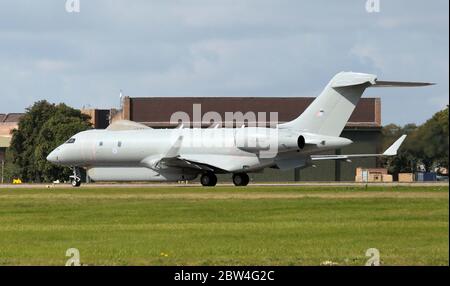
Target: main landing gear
{"type": "Point", "coordinates": [208, 179]}
{"type": "Point", "coordinates": [240, 179]}
{"type": "Point", "coordinates": [76, 177]}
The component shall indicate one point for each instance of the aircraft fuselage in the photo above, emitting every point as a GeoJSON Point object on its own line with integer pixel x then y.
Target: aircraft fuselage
{"type": "Point", "coordinates": [130, 155]}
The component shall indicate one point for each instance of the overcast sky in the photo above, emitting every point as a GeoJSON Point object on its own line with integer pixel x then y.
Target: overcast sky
{"type": "Point", "coordinates": [221, 48]}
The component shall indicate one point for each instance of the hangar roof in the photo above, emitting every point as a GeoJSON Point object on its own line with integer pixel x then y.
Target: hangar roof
{"type": "Point", "coordinates": [10, 117]}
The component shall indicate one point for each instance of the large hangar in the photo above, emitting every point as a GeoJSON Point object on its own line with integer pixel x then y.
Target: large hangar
{"type": "Point", "coordinates": [364, 127]}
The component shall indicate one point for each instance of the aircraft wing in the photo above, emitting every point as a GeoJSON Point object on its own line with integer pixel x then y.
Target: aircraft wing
{"type": "Point", "coordinates": [391, 151]}
{"type": "Point", "coordinates": [227, 163]}
{"type": "Point", "coordinates": [160, 162]}
{"type": "Point", "coordinates": [179, 162]}
{"type": "Point", "coordinates": [173, 159]}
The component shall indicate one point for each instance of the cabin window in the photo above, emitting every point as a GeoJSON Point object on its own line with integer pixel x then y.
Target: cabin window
{"type": "Point", "coordinates": [119, 144]}
{"type": "Point", "coordinates": [100, 143]}
{"type": "Point", "coordinates": [70, 141]}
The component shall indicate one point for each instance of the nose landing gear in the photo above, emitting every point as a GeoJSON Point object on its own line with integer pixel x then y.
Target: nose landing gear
{"type": "Point", "coordinates": [76, 177]}
{"type": "Point", "coordinates": [241, 179]}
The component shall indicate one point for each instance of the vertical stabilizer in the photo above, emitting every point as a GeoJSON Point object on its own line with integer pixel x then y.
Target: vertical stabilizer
{"type": "Point", "coordinates": [329, 112]}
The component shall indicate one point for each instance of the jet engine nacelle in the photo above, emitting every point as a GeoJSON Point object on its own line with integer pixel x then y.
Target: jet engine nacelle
{"type": "Point", "coordinates": [291, 141]}
{"type": "Point", "coordinates": [262, 139]}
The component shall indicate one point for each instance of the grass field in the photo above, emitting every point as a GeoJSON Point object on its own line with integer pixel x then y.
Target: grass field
{"type": "Point", "coordinates": [283, 225]}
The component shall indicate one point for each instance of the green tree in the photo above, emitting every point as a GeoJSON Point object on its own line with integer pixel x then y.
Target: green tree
{"type": "Point", "coordinates": [427, 144]}
{"type": "Point", "coordinates": [431, 141]}
{"type": "Point", "coordinates": [43, 127]}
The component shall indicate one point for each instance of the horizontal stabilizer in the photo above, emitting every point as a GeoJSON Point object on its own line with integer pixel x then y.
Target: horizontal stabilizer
{"type": "Point", "coordinates": [391, 151]}
{"type": "Point", "coordinates": [381, 83]}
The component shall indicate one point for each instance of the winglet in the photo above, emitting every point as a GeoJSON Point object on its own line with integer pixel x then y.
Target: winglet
{"type": "Point", "coordinates": [392, 150]}
{"type": "Point", "coordinates": [174, 150]}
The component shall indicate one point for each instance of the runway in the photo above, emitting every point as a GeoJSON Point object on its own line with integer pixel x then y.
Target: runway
{"type": "Point", "coordinates": [181, 185]}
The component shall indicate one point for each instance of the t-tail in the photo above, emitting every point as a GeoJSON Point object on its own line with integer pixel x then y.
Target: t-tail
{"type": "Point", "coordinates": [329, 112]}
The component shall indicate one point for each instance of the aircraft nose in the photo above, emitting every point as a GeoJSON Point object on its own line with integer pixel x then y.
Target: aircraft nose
{"type": "Point", "coordinates": [53, 156]}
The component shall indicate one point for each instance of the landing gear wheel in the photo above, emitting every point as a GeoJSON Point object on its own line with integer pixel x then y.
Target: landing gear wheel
{"type": "Point", "coordinates": [76, 177]}
{"type": "Point", "coordinates": [208, 179]}
{"type": "Point", "coordinates": [76, 183]}
{"type": "Point", "coordinates": [241, 179]}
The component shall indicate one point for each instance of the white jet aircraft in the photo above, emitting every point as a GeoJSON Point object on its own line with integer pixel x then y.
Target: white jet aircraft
{"type": "Point", "coordinates": [129, 151]}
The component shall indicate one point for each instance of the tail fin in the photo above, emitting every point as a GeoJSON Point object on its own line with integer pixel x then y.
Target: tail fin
{"type": "Point", "coordinates": [329, 112]}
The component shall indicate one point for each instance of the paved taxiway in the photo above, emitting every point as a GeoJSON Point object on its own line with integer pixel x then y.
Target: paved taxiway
{"type": "Point", "coordinates": [162, 185]}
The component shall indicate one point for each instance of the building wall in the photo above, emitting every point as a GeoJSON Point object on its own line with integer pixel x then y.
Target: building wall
{"type": "Point", "coordinates": [368, 142]}
{"type": "Point", "coordinates": [8, 122]}
{"type": "Point", "coordinates": [100, 118]}
{"type": "Point", "coordinates": [7, 127]}
{"type": "Point", "coordinates": [157, 111]}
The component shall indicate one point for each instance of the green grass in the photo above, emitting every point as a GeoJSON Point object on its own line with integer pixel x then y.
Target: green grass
{"type": "Point", "coordinates": [225, 225]}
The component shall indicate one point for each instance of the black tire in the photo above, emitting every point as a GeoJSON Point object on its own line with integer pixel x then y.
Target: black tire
{"type": "Point", "coordinates": [241, 179]}
{"type": "Point", "coordinates": [208, 180]}
{"type": "Point", "coordinates": [214, 180]}
{"type": "Point", "coordinates": [247, 180]}
{"type": "Point", "coordinates": [76, 183]}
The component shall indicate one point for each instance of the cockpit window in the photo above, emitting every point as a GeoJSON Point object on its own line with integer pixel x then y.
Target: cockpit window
{"type": "Point", "coordinates": [70, 141]}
